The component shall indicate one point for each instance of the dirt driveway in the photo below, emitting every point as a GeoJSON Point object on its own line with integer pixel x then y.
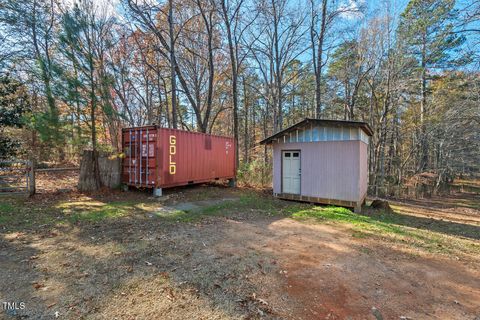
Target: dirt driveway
{"type": "Point", "coordinates": [328, 274]}
{"type": "Point", "coordinates": [247, 257]}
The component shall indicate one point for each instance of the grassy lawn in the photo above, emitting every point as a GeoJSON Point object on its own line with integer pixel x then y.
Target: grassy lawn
{"type": "Point", "coordinates": [436, 236]}
{"type": "Point", "coordinates": [247, 202]}
{"type": "Point", "coordinates": [5, 212]}
{"type": "Point", "coordinates": [226, 254]}
{"type": "Point", "coordinates": [20, 213]}
{"type": "Point", "coordinates": [432, 235]}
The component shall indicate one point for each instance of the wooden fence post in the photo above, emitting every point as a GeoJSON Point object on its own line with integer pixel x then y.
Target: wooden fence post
{"type": "Point", "coordinates": [31, 177]}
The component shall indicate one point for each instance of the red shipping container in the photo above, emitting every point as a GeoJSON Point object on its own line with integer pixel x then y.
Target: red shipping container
{"type": "Point", "coordinates": [161, 157]}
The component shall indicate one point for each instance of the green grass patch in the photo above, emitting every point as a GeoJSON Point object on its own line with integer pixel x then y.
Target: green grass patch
{"type": "Point", "coordinates": [340, 214]}
{"type": "Point", "coordinates": [6, 208]}
{"type": "Point", "coordinates": [396, 227]}
{"type": "Point", "coordinates": [359, 234]}
{"type": "Point", "coordinates": [175, 215]}
{"type": "Point", "coordinates": [15, 213]}
{"type": "Point", "coordinates": [95, 211]}
{"type": "Point", "coordinates": [222, 208]}
{"type": "Point", "coordinates": [20, 215]}
{"type": "Point", "coordinates": [6, 213]}
{"type": "Point", "coordinates": [253, 202]}
{"type": "Point", "coordinates": [246, 203]}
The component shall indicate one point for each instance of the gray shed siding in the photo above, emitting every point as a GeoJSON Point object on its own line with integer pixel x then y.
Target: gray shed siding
{"type": "Point", "coordinates": [330, 169]}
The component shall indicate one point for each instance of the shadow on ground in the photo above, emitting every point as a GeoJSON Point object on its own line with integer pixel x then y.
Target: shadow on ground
{"type": "Point", "coordinates": [104, 258]}
{"type": "Point", "coordinates": [218, 253]}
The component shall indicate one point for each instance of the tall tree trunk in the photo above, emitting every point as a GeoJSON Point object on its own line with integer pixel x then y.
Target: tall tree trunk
{"type": "Point", "coordinates": [423, 105]}
{"type": "Point", "coordinates": [277, 71]}
{"type": "Point", "coordinates": [173, 77]}
{"type": "Point", "coordinates": [93, 104]}
{"type": "Point", "coordinates": [246, 131]}
{"type": "Point", "coordinates": [233, 65]}
{"type": "Point", "coordinates": [211, 73]}
{"type": "Point", "coordinates": [318, 58]}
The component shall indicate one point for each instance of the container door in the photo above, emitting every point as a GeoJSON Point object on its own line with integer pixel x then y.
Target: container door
{"type": "Point", "coordinates": [291, 172]}
{"type": "Point", "coordinates": [140, 156]}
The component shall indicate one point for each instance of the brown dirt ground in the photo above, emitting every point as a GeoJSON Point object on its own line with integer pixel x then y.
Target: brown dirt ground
{"type": "Point", "coordinates": [242, 266]}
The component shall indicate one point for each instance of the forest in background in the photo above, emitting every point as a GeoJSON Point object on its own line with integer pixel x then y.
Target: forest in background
{"type": "Point", "coordinates": [73, 73]}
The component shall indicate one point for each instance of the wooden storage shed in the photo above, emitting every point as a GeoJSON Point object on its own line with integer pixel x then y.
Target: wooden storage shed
{"type": "Point", "coordinates": [322, 161]}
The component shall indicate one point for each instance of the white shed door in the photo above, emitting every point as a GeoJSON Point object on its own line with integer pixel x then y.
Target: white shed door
{"type": "Point", "coordinates": [291, 172]}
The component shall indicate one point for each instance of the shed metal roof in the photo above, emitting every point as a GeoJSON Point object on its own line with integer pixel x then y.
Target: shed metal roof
{"type": "Point", "coordinates": [324, 122]}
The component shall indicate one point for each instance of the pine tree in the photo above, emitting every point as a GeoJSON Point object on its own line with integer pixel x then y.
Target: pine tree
{"type": "Point", "coordinates": [14, 104]}
{"type": "Point", "coordinates": [425, 33]}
